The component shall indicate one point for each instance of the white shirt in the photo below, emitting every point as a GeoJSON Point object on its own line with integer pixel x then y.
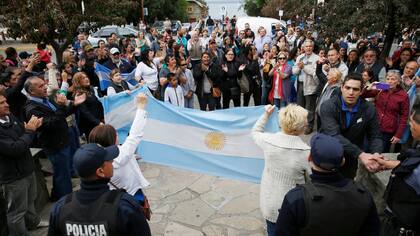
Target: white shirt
{"type": "Point", "coordinates": [174, 96]}
{"type": "Point", "coordinates": [149, 75]}
{"type": "Point", "coordinates": [127, 173]}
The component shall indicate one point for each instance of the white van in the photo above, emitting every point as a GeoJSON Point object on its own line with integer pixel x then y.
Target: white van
{"type": "Point", "coordinates": [256, 22]}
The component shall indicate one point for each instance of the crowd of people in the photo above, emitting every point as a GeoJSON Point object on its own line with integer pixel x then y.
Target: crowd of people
{"type": "Point", "coordinates": [340, 88]}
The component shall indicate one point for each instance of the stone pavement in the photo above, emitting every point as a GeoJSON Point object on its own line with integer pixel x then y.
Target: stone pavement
{"type": "Point", "coordinates": [192, 204]}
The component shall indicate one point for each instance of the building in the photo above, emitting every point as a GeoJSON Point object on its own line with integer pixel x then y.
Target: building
{"type": "Point", "coordinates": [196, 9]}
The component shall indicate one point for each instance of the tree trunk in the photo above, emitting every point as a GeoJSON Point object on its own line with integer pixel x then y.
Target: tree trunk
{"type": "Point", "coordinates": [390, 31]}
{"type": "Point", "coordinates": [59, 49]}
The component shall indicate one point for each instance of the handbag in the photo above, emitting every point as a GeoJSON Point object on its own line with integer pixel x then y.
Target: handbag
{"type": "Point", "coordinates": [215, 92]}
{"type": "Point", "coordinates": [243, 83]}
{"type": "Point", "coordinates": [145, 207]}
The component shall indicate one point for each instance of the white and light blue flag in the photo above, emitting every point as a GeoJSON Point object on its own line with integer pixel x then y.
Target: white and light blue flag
{"type": "Point", "coordinates": [103, 74]}
{"type": "Point", "coordinates": [217, 142]}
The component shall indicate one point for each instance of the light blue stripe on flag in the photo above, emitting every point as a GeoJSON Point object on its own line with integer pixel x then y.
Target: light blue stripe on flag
{"type": "Point", "coordinates": [103, 74]}
{"type": "Point", "coordinates": [217, 143]}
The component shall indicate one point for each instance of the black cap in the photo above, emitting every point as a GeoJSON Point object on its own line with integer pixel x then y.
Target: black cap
{"type": "Point", "coordinates": [89, 157]}
{"type": "Point", "coordinates": [326, 152]}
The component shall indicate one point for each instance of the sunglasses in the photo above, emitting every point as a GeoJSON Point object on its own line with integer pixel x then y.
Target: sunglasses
{"type": "Point", "coordinates": [183, 64]}
{"type": "Point", "coordinates": [282, 58]}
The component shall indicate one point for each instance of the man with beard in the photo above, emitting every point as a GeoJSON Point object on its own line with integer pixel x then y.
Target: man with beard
{"type": "Point", "coordinates": [115, 62]}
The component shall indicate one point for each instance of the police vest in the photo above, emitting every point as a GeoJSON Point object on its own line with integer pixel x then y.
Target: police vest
{"type": "Point", "coordinates": [95, 219]}
{"type": "Point", "coordinates": [400, 197]}
{"type": "Point", "coordinates": [334, 210]}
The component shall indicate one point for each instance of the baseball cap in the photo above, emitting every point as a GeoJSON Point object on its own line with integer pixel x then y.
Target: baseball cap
{"type": "Point", "coordinates": [326, 152]}
{"type": "Point", "coordinates": [24, 55]}
{"type": "Point", "coordinates": [114, 51]}
{"type": "Point", "coordinates": [91, 156]}
{"type": "Point", "coordinates": [87, 48]}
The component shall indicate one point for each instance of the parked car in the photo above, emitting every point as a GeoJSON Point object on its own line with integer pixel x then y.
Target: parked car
{"type": "Point", "coordinates": [175, 26]}
{"type": "Point", "coordinates": [106, 31]}
{"type": "Point", "coordinates": [186, 26]}
{"type": "Point", "coordinates": [158, 25]}
{"type": "Point", "coordinates": [256, 22]}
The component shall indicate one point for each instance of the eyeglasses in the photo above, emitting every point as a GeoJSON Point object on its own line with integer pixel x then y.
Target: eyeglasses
{"type": "Point", "coordinates": [282, 58]}
{"type": "Point", "coordinates": [184, 64]}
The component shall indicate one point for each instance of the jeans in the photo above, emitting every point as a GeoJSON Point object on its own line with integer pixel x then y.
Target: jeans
{"type": "Point", "coordinates": [265, 90]}
{"type": "Point", "coordinates": [227, 96]}
{"type": "Point", "coordinates": [74, 144]}
{"type": "Point", "coordinates": [279, 103]}
{"type": "Point", "coordinates": [255, 91]}
{"type": "Point", "coordinates": [189, 102]}
{"type": "Point", "coordinates": [300, 99]}
{"type": "Point", "coordinates": [20, 196]}
{"type": "Point", "coordinates": [310, 105]}
{"type": "Point", "coordinates": [210, 29]}
{"type": "Point", "coordinates": [206, 99]}
{"type": "Point", "coordinates": [271, 228]}
{"type": "Point", "coordinates": [60, 161]}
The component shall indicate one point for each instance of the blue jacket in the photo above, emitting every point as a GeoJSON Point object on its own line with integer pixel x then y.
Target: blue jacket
{"type": "Point", "coordinates": [292, 215]}
{"type": "Point", "coordinates": [130, 220]}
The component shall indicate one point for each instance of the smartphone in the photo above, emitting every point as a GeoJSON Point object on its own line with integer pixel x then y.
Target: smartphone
{"type": "Point", "coordinates": [382, 86]}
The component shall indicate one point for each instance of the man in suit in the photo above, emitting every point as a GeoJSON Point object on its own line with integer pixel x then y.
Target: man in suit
{"type": "Point", "coordinates": [53, 136]}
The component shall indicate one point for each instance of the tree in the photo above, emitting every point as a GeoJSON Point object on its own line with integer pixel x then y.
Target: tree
{"type": "Point", "coordinates": [56, 22]}
{"type": "Point", "coordinates": [338, 17]}
{"type": "Point", "coordinates": [253, 7]}
{"type": "Point", "coordinates": [173, 9]}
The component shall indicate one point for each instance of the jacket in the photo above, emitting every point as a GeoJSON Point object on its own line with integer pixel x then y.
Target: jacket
{"type": "Point", "coordinates": [90, 113]}
{"type": "Point", "coordinates": [53, 134]}
{"type": "Point", "coordinates": [285, 86]}
{"type": "Point", "coordinates": [229, 79]}
{"type": "Point", "coordinates": [307, 74]}
{"type": "Point", "coordinates": [15, 158]}
{"type": "Point", "coordinates": [285, 166]}
{"type": "Point", "coordinates": [293, 213]}
{"type": "Point", "coordinates": [15, 98]}
{"type": "Point", "coordinates": [392, 108]}
{"type": "Point", "coordinates": [130, 219]}
{"type": "Point", "coordinates": [363, 123]}
{"type": "Point", "coordinates": [213, 74]}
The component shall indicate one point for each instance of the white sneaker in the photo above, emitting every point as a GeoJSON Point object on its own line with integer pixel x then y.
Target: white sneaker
{"type": "Point", "coordinates": [43, 223]}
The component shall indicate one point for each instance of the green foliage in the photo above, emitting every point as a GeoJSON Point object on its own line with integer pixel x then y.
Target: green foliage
{"type": "Point", "coordinates": [253, 7]}
{"type": "Point", "coordinates": [173, 9]}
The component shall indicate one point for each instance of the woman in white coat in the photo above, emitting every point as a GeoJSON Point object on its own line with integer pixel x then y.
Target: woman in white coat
{"type": "Point", "coordinates": [285, 155]}
{"type": "Point", "coordinates": [127, 174]}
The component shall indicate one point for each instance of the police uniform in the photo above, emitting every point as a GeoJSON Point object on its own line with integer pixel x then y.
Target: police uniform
{"type": "Point", "coordinates": [95, 210]}
{"type": "Point", "coordinates": [330, 204]}
{"type": "Point", "coordinates": [402, 196]}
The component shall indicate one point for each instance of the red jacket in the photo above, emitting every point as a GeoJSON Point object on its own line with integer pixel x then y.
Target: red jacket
{"type": "Point", "coordinates": [392, 109]}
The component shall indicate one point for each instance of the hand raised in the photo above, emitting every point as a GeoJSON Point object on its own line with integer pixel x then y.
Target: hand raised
{"type": "Point", "coordinates": [141, 101]}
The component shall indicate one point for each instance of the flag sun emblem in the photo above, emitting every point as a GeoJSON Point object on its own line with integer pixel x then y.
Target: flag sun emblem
{"type": "Point", "coordinates": [215, 140]}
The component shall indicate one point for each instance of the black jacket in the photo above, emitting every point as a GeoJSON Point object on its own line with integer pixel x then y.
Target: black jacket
{"type": "Point", "coordinates": [90, 113]}
{"type": "Point", "coordinates": [293, 213]}
{"type": "Point", "coordinates": [53, 134]}
{"type": "Point", "coordinates": [130, 219]}
{"type": "Point", "coordinates": [15, 158]}
{"type": "Point", "coordinates": [230, 78]}
{"type": "Point", "coordinates": [213, 74]}
{"type": "Point", "coordinates": [15, 98]}
{"type": "Point", "coordinates": [364, 123]}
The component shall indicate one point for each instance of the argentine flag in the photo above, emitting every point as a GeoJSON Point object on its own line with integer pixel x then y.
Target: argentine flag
{"type": "Point", "coordinates": [216, 143]}
{"type": "Point", "coordinates": [103, 74]}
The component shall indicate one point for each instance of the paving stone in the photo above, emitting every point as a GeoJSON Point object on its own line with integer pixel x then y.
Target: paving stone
{"type": "Point", "coordinates": [241, 205]}
{"type": "Point", "coordinates": [203, 184]}
{"type": "Point", "coordinates": [175, 229]}
{"type": "Point", "coordinates": [179, 197]}
{"type": "Point", "coordinates": [150, 172]}
{"type": "Point", "coordinates": [194, 212]}
{"type": "Point", "coordinates": [157, 229]}
{"type": "Point", "coordinates": [162, 210]}
{"type": "Point", "coordinates": [232, 232]}
{"type": "Point", "coordinates": [214, 199]}
{"type": "Point", "coordinates": [231, 189]}
{"type": "Point", "coordinates": [156, 218]}
{"type": "Point", "coordinates": [212, 230]}
{"type": "Point", "coordinates": [239, 222]}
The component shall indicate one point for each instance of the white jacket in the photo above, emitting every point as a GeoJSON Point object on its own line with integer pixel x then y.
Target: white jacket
{"type": "Point", "coordinates": [285, 166]}
{"type": "Point", "coordinates": [127, 173]}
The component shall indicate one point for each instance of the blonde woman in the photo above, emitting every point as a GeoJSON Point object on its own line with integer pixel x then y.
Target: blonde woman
{"type": "Point", "coordinates": [285, 156]}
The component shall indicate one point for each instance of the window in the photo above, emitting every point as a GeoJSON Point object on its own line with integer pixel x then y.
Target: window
{"type": "Point", "coordinates": [189, 9]}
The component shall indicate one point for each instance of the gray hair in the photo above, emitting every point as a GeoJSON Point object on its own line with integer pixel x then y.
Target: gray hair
{"type": "Point", "coordinates": [394, 72]}
{"type": "Point", "coordinates": [28, 85]}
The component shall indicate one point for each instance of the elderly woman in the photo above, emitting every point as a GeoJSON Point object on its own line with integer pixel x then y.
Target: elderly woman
{"type": "Point", "coordinates": [392, 108]}
{"type": "Point", "coordinates": [285, 158]}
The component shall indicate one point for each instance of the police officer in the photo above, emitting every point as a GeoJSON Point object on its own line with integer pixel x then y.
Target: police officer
{"type": "Point", "coordinates": [402, 194]}
{"type": "Point", "coordinates": [94, 209]}
{"type": "Point", "coordinates": [330, 204]}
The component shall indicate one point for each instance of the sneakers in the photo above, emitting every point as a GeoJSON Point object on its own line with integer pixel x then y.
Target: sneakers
{"type": "Point", "coordinates": [42, 224]}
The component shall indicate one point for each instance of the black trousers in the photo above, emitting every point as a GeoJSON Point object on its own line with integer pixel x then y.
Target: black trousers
{"type": "Point", "coordinates": [310, 105]}
{"type": "Point", "coordinates": [227, 96]}
{"type": "Point", "coordinates": [206, 100]}
{"type": "Point", "coordinates": [255, 91]}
